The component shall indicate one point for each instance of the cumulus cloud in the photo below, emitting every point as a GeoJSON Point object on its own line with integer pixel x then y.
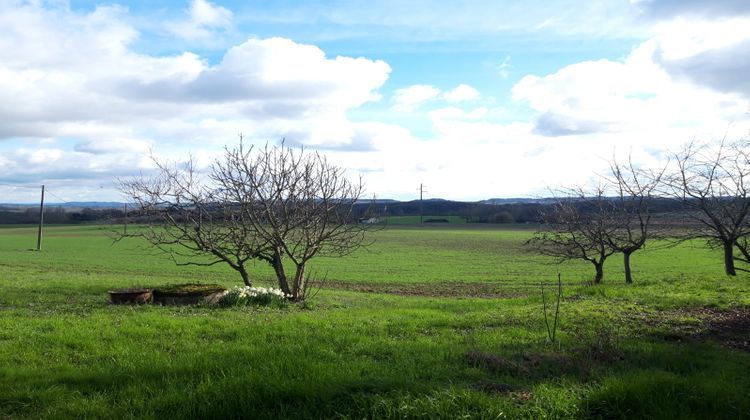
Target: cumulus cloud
{"type": "Point", "coordinates": [92, 74]}
{"type": "Point", "coordinates": [410, 98]}
{"type": "Point", "coordinates": [68, 76]}
{"type": "Point", "coordinates": [711, 53]}
{"type": "Point", "coordinates": [32, 164]}
{"type": "Point", "coordinates": [554, 125]}
{"type": "Point", "coordinates": [271, 76]}
{"type": "Point", "coordinates": [635, 93]}
{"type": "Point", "coordinates": [725, 69]}
{"type": "Point", "coordinates": [201, 21]}
{"type": "Point", "coordinates": [79, 104]}
{"type": "Point", "coordinates": [460, 93]}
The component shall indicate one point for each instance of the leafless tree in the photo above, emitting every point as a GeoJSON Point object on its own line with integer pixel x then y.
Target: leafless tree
{"type": "Point", "coordinates": [276, 204]}
{"type": "Point", "coordinates": [630, 217]}
{"type": "Point", "coordinates": [577, 227]}
{"type": "Point", "coordinates": [298, 203]}
{"type": "Point", "coordinates": [711, 180]}
{"type": "Point", "coordinates": [187, 219]}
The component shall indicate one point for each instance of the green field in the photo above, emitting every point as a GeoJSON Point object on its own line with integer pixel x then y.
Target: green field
{"type": "Point", "coordinates": [415, 220]}
{"type": "Point", "coordinates": [429, 322]}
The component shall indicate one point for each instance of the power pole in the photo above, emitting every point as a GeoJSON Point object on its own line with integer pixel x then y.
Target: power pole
{"type": "Point", "coordinates": [41, 222]}
{"type": "Point", "coordinates": [421, 193]}
{"type": "Point", "coordinates": [125, 221]}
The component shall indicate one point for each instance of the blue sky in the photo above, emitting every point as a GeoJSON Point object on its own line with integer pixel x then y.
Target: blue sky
{"type": "Point", "coordinates": [476, 99]}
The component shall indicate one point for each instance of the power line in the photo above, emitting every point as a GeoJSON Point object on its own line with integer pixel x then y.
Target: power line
{"type": "Point", "coordinates": [35, 187]}
{"type": "Point", "coordinates": [57, 196]}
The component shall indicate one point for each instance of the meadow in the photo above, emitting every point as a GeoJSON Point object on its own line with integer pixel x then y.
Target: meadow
{"type": "Point", "coordinates": [438, 321]}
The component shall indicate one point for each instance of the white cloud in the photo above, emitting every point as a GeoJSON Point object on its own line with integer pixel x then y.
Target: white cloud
{"type": "Point", "coordinates": [74, 80]}
{"type": "Point", "coordinates": [88, 106]}
{"type": "Point", "coordinates": [410, 98]}
{"type": "Point", "coordinates": [461, 93]}
{"type": "Point", "coordinates": [682, 38]}
{"type": "Point", "coordinates": [640, 105]}
{"type": "Point", "coordinates": [669, 8]}
{"type": "Point", "coordinates": [202, 19]}
{"type": "Point", "coordinates": [92, 75]}
{"type": "Point", "coordinates": [707, 52]}
{"type": "Point", "coordinates": [503, 70]}
{"type": "Point", "coordinates": [631, 95]}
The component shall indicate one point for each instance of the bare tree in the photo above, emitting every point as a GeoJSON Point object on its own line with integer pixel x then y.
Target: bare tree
{"type": "Point", "coordinates": [577, 227]}
{"type": "Point", "coordinates": [298, 203]}
{"type": "Point", "coordinates": [711, 181]}
{"type": "Point", "coordinates": [276, 205]}
{"type": "Point", "coordinates": [186, 218]}
{"type": "Point", "coordinates": [629, 214]}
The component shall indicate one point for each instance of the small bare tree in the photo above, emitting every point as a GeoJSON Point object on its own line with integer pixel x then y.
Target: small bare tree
{"type": "Point", "coordinates": [278, 205]}
{"type": "Point", "coordinates": [298, 204]}
{"type": "Point", "coordinates": [577, 227]}
{"type": "Point", "coordinates": [711, 180]}
{"type": "Point", "coordinates": [629, 214]}
{"type": "Point", "coordinates": [187, 219]}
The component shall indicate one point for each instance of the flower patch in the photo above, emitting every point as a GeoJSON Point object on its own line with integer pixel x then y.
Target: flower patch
{"type": "Point", "coordinates": [246, 295]}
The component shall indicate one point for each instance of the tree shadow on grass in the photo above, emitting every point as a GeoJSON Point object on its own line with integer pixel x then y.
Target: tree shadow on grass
{"type": "Point", "coordinates": [639, 377]}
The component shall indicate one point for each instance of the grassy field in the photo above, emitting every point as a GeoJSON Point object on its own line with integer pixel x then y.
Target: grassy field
{"type": "Point", "coordinates": [414, 220]}
{"type": "Point", "coordinates": [429, 322]}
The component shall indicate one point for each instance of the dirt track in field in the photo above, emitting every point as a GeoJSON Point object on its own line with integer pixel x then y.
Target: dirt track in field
{"type": "Point", "coordinates": [472, 290]}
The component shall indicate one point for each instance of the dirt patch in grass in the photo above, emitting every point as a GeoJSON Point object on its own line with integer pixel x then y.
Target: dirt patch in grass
{"type": "Point", "coordinates": [529, 365]}
{"type": "Point", "coordinates": [474, 290]}
{"type": "Point", "coordinates": [729, 327]}
{"type": "Point", "coordinates": [495, 363]}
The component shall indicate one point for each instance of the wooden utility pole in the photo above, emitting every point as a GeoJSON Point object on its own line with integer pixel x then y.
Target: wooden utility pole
{"type": "Point", "coordinates": [125, 221]}
{"type": "Point", "coordinates": [41, 223]}
{"type": "Point", "coordinates": [421, 212]}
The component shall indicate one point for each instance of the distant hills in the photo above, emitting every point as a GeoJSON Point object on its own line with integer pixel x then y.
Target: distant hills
{"type": "Point", "coordinates": [120, 205]}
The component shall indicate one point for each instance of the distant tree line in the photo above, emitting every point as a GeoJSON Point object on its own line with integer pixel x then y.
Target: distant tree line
{"type": "Point", "coordinates": [58, 215]}
{"type": "Point", "coordinates": [472, 212]}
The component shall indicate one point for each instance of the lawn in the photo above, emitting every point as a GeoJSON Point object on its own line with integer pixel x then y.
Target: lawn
{"type": "Point", "coordinates": [428, 322]}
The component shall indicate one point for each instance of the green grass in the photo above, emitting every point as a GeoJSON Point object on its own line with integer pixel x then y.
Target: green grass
{"type": "Point", "coordinates": [625, 351]}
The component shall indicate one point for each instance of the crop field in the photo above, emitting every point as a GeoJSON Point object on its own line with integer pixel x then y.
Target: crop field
{"type": "Point", "coordinates": [439, 321]}
{"type": "Point", "coordinates": [410, 220]}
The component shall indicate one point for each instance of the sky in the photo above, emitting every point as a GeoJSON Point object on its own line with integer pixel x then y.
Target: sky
{"type": "Point", "coordinates": [474, 99]}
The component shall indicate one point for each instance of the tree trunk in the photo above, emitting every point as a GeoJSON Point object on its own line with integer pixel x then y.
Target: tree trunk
{"type": "Point", "coordinates": [628, 274]}
{"type": "Point", "coordinates": [599, 272]}
{"type": "Point", "coordinates": [298, 290]}
{"type": "Point", "coordinates": [245, 276]}
{"type": "Point", "coordinates": [729, 258]}
{"type": "Point", "coordinates": [278, 268]}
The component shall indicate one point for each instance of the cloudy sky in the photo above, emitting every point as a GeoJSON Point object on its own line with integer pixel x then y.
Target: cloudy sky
{"type": "Point", "coordinates": [474, 98]}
